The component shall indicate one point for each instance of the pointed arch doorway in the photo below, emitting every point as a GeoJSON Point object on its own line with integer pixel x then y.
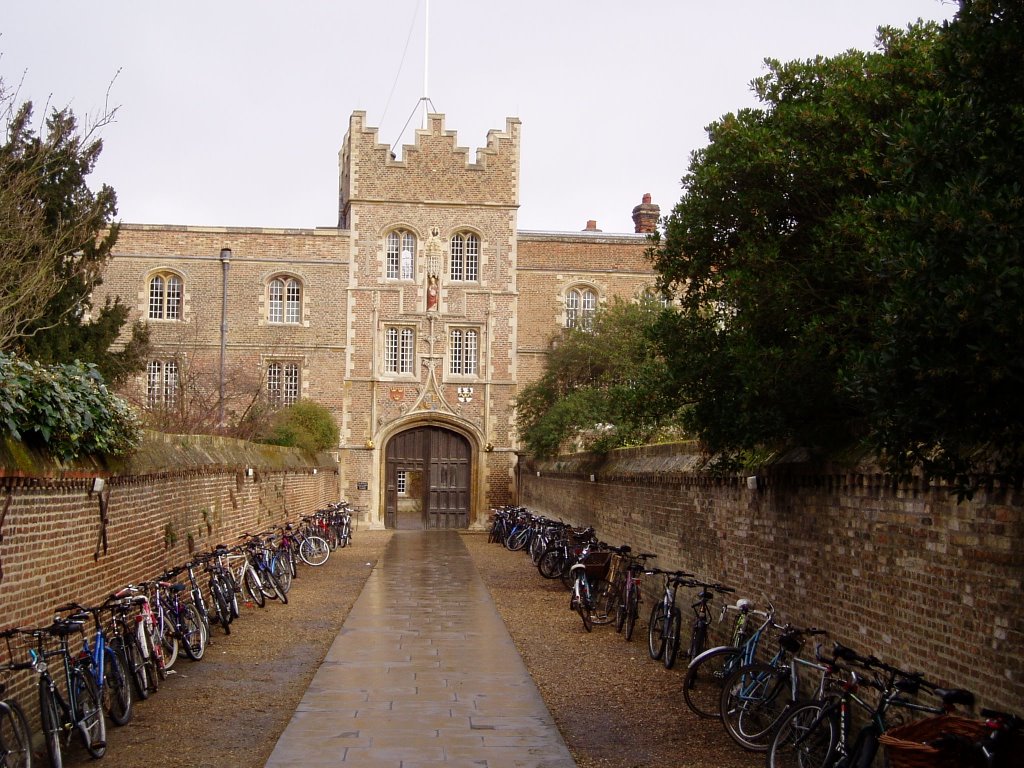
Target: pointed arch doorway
{"type": "Point", "coordinates": [427, 472]}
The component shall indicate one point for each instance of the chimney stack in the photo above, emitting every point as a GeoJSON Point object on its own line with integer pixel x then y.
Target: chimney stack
{"type": "Point", "coordinates": [591, 226]}
{"type": "Point", "coordinates": [646, 215]}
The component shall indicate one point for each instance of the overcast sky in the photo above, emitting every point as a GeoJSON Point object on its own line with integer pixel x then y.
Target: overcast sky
{"type": "Point", "coordinates": [232, 112]}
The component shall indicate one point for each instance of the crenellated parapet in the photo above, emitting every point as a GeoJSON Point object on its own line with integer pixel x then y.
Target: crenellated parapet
{"type": "Point", "coordinates": [434, 168]}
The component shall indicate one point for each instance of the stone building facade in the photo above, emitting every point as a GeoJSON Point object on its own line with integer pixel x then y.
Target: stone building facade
{"type": "Point", "coordinates": [415, 320]}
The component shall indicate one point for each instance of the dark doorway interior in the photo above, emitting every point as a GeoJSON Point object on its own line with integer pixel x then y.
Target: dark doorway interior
{"type": "Point", "coordinates": [427, 476]}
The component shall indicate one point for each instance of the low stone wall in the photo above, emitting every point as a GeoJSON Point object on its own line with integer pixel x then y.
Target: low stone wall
{"type": "Point", "coordinates": [901, 571]}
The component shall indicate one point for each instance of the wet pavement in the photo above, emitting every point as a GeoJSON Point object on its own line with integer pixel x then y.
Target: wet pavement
{"type": "Point", "coordinates": [423, 673]}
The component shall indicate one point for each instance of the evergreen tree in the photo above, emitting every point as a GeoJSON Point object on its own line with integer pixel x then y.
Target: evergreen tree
{"type": "Point", "coordinates": [56, 235]}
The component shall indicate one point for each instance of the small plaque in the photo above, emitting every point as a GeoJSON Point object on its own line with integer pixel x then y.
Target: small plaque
{"type": "Point", "coordinates": [362, 485]}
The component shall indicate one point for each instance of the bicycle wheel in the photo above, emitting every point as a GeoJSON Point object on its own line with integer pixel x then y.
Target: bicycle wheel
{"type": "Point", "coordinates": [193, 633]}
{"type": "Point", "coordinates": [15, 737]}
{"type": "Point", "coordinates": [164, 632]}
{"type": "Point", "coordinates": [632, 611]}
{"type": "Point", "coordinates": [804, 738]}
{"type": "Point", "coordinates": [314, 550]}
{"type": "Point", "coordinates": [222, 613]}
{"type": "Point", "coordinates": [282, 573]}
{"type": "Point", "coordinates": [605, 602]}
{"type": "Point", "coordinates": [581, 600]}
{"type": "Point", "coordinates": [672, 637]}
{"type": "Point", "coordinates": [518, 539]}
{"type": "Point", "coordinates": [117, 690]}
{"type": "Point", "coordinates": [253, 586]}
{"type": "Point", "coordinates": [49, 719]}
{"type": "Point", "coordinates": [656, 632]}
{"type": "Point", "coordinates": [754, 699]}
{"type": "Point", "coordinates": [698, 638]}
{"type": "Point", "coordinates": [231, 589]}
{"type": "Point", "coordinates": [136, 666]}
{"type": "Point", "coordinates": [551, 563]}
{"type": "Point", "coordinates": [154, 667]}
{"type": "Point", "coordinates": [702, 686]}
{"type": "Point", "coordinates": [270, 582]}
{"type": "Point", "coordinates": [90, 723]}
{"type": "Point", "coordinates": [622, 608]}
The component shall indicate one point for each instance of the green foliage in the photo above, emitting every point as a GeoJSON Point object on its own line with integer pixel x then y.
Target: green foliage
{"type": "Point", "coordinates": [306, 424]}
{"type": "Point", "coordinates": [848, 255]}
{"type": "Point", "coordinates": [56, 235]}
{"type": "Point", "coordinates": [940, 382]}
{"type": "Point", "coordinates": [602, 387]}
{"type": "Point", "coordinates": [65, 410]}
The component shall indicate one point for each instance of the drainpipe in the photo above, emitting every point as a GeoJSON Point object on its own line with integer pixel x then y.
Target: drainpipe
{"type": "Point", "coordinates": [225, 261]}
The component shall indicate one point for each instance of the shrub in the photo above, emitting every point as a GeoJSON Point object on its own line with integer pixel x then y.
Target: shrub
{"type": "Point", "coordinates": [307, 425]}
{"type": "Point", "coordinates": [64, 410]}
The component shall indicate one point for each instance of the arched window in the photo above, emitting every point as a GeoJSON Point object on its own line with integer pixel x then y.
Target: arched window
{"type": "Point", "coordinates": [284, 300]}
{"type": "Point", "coordinates": [165, 296]}
{"type": "Point", "coordinates": [463, 344]}
{"type": "Point", "coordinates": [580, 305]}
{"type": "Point", "coordinates": [161, 384]}
{"type": "Point", "coordinates": [400, 256]}
{"type": "Point", "coordinates": [465, 257]}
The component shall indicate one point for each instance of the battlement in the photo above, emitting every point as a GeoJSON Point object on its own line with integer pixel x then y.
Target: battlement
{"type": "Point", "coordinates": [434, 168]}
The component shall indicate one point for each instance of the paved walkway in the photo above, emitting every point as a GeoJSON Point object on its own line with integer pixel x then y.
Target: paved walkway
{"type": "Point", "coordinates": [423, 673]}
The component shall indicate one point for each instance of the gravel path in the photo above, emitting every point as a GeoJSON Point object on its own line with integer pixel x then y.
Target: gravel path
{"type": "Point", "coordinates": [615, 707]}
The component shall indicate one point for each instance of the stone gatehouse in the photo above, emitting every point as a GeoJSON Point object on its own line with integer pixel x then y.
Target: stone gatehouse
{"type": "Point", "coordinates": [415, 320]}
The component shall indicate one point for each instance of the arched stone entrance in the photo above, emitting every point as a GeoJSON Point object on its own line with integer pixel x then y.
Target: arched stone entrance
{"type": "Point", "coordinates": [427, 475]}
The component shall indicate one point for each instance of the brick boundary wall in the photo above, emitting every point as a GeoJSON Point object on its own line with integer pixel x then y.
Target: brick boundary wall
{"type": "Point", "coordinates": [178, 493]}
{"type": "Point", "coordinates": [898, 570]}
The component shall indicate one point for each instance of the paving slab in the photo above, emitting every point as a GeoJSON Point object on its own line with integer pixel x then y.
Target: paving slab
{"type": "Point", "coordinates": [423, 673]}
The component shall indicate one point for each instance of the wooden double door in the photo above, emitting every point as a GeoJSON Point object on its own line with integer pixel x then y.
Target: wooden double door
{"type": "Point", "coordinates": [427, 472]}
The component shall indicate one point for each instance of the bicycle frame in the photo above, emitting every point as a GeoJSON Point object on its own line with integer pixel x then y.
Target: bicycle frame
{"type": "Point", "coordinates": [746, 651]}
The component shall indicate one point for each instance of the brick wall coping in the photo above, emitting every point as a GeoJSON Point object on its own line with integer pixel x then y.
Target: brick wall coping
{"type": "Point", "coordinates": [162, 454]}
{"type": "Point", "coordinates": [685, 465]}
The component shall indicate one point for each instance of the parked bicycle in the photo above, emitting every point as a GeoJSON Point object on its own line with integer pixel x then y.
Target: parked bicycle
{"type": "Point", "coordinates": [663, 627]}
{"type": "Point", "coordinates": [15, 734]}
{"type": "Point", "coordinates": [631, 594]}
{"type": "Point", "coordinates": [757, 695]}
{"type": "Point", "coordinates": [109, 666]}
{"type": "Point", "coordinates": [75, 711]}
{"type": "Point", "coordinates": [818, 733]}
{"type": "Point", "coordinates": [707, 672]}
{"type": "Point", "coordinates": [583, 589]}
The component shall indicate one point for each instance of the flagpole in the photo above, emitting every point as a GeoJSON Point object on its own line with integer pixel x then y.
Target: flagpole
{"type": "Point", "coordinates": [426, 58]}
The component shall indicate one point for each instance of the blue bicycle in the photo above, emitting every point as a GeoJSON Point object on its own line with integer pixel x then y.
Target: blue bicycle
{"type": "Point", "coordinates": [706, 674]}
{"type": "Point", "coordinates": [109, 665]}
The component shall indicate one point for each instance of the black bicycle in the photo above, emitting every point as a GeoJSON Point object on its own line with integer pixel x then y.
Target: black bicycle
{"type": "Point", "coordinates": [663, 627]}
{"type": "Point", "coordinates": [81, 713]}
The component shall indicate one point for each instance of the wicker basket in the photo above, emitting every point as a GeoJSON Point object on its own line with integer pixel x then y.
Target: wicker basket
{"type": "Point", "coordinates": [597, 564]}
{"type": "Point", "coordinates": [907, 747]}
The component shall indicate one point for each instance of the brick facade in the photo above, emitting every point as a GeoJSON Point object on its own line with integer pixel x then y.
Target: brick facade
{"type": "Point", "coordinates": [900, 571]}
{"type": "Point", "coordinates": [515, 303]}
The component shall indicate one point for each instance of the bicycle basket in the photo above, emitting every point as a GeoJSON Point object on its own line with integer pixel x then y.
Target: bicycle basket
{"type": "Point", "coordinates": [907, 746]}
{"type": "Point", "coordinates": [597, 564]}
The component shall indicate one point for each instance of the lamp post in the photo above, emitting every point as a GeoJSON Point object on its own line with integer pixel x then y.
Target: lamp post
{"type": "Point", "coordinates": [225, 261]}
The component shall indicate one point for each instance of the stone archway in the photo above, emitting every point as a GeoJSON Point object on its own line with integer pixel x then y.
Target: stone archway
{"type": "Point", "coordinates": [427, 479]}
